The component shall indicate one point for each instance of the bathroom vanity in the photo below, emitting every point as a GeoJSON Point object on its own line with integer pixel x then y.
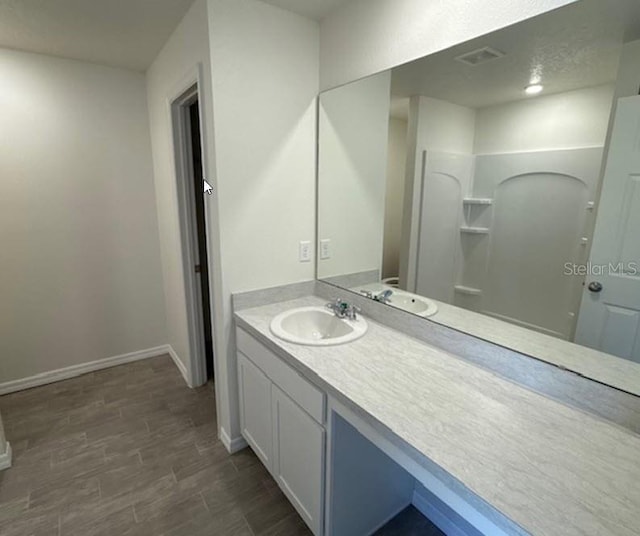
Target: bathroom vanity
{"type": "Point", "coordinates": [492, 247]}
{"type": "Point", "coordinates": [283, 419]}
{"type": "Point", "coordinates": [354, 433]}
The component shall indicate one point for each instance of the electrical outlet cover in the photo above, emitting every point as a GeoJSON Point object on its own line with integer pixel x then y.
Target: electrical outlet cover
{"type": "Point", "coordinates": [304, 251]}
{"type": "Point", "coordinates": [325, 248]}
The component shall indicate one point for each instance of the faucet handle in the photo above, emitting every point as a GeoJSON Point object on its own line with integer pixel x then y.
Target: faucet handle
{"type": "Point", "coordinates": [338, 306]}
{"type": "Point", "coordinates": [352, 312]}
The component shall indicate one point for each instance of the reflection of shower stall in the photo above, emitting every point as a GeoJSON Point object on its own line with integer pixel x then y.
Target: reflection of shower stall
{"type": "Point", "coordinates": [498, 233]}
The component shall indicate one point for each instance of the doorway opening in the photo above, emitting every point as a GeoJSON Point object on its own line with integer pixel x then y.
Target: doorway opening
{"type": "Point", "coordinates": [202, 268]}
{"type": "Point", "coordinates": [193, 223]}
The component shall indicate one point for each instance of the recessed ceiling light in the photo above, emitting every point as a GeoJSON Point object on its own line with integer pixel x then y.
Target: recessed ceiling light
{"type": "Point", "coordinates": [533, 89]}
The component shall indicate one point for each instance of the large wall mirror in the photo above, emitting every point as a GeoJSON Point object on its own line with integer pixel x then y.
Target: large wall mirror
{"type": "Point", "coordinates": [494, 188]}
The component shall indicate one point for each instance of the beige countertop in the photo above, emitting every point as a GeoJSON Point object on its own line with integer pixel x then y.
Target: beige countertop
{"type": "Point", "coordinates": [551, 469]}
{"type": "Point", "coordinates": [605, 368]}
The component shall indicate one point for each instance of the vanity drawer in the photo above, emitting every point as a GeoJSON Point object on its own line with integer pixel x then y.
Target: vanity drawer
{"type": "Point", "coordinates": [303, 393]}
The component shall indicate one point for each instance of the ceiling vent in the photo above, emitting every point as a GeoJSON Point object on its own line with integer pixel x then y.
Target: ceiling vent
{"type": "Point", "coordinates": [482, 55]}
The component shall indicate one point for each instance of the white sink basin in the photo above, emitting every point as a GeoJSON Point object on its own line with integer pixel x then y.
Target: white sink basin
{"type": "Point", "coordinates": [316, 326]}
{"type": "Point", "coordinates": [413, 304]}
{"type": "Point", "coordinates": [401, 299]}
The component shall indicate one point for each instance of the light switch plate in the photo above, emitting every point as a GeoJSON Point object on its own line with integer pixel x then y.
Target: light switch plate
{"type": "Point", "coordinates": [325, 248]}
{"type": "Point", "coordinates": [304, 251]}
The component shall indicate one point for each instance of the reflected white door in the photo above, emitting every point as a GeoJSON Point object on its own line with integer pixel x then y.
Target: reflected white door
{"type": "Point", "coordinates": [610, 312]}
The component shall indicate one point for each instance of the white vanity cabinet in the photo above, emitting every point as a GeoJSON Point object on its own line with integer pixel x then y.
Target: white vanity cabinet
{"type": "Point", "coordinates": [282, 418]}
{"type": "Point", "coordinates": [255, 409]}
{"type": "Point", "coordinates": [298, 443]}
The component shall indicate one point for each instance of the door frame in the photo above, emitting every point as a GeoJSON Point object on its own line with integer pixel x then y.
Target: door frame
{"type": "Point", "coordinates": [184, 94]}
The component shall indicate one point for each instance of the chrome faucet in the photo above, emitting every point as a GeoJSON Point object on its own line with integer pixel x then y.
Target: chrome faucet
{"type": "Point", "coordinates": [343, 310]}
{"type": "Point", "coordinates": [384, 297]}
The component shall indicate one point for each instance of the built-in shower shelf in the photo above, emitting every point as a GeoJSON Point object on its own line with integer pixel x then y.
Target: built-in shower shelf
{"type": "Point", "coordinates": [474, 230]}
{"type": "Point", "coordinates": [477, 201]}
{"type": "Point", "coordinates": [461, 289]}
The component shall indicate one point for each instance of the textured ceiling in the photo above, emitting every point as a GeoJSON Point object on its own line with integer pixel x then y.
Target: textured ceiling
{"type": "Point", "coordinates": [574, 47]}
{"type": "Point", "coordinates": [122, 33]}
{"type": "Point", "coordinates": [314, 9]}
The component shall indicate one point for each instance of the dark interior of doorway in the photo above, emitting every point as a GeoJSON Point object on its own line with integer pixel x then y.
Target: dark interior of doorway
{"type": "Point", "coordinates": [201, 228]}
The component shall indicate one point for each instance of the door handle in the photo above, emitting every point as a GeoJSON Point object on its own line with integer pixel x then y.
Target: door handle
{"type": "Point", "coordinates": [595, 286]}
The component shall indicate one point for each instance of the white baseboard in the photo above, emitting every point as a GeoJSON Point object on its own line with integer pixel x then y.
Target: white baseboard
{"type": "Point", "coordinates": [441, 515]}
{"type": "Point", "coordinates": [232, 445]}
{"type": "Point", "coordinates": [181, 366]}
{"type": "Point", "coordinates": [5, 458]}
{"type": "Point", "coordinates": [82, 368]}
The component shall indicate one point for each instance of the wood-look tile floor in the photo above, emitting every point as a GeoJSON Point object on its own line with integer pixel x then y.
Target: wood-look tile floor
{"type": "Point", "coordinates": [129, 451]}
{"type": "Point", "coordinates": [132, 451]}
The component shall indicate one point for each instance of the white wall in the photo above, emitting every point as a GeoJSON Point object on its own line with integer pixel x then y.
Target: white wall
{"type": "Point", "coordinates": [364, 37]}
{"type": "Point", "coordinates": [444, 126]}
{"type": "Point", "coordinates": [569, 120]}
{"type": "Point", "coordinates": [80, 264]}
{"type": "Point", "coordinates": [186, 49]}
{"type": "Point", "coordinates": [394, 200]}
{"type": "Point", "coordinates": [265, 81]}
{"type": "Point", "coordinates": [352, 164]}
{"type": "Point", "coordinates": [628, 82]}
{"type": "Point", "coordinates": [627, 85]}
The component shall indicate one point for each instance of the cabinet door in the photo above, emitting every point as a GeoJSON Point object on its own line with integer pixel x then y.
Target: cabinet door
{"type": "Point", "coordinates": [298, 462]}
{"type": "Point", "coordinates": [255, 410]}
